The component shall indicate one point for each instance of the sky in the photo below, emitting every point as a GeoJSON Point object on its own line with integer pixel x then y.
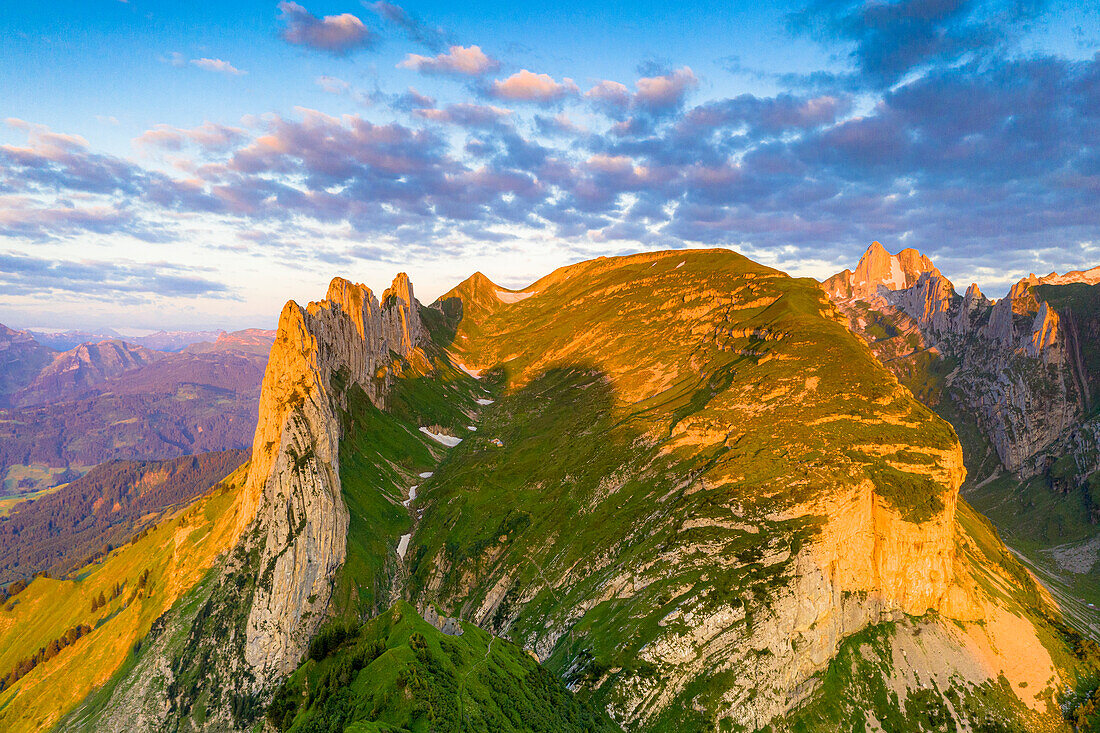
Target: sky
{"type": "Point", "coordinates": [194, 165]}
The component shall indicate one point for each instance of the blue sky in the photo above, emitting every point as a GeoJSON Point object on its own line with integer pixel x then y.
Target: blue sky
{"type": "Point", "coordinates": [196, 164]}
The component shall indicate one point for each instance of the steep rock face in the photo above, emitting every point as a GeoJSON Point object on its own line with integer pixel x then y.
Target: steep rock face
{"type": "Point", "coordinates": [83, 367]}
{"type": "Point", "coordinates": [293, 485]}
{"type": "Point", "coordinates": [1013, 368]}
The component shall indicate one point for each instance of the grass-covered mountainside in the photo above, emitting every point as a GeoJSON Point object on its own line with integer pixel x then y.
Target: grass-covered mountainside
{"type": "Point", "coordinates": [704, 423]}
{"type": "Point", "coordinates": [398, 672]}
{"type": "Point", "coordinates": [668, 492]}
{"type": "Point", "coordinates": [118, 598]}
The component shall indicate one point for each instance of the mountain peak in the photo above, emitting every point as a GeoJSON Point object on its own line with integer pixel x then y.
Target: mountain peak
{"type": "Point", "coordinates": [877, 269]}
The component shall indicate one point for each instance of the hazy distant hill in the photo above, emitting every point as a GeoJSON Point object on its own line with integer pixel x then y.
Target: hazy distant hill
{"type": "Point", "coordinates": [21, 360]}
{"type": "Point", "coordinates": [59, 531]}
{"type": "Point", "coordinates": [81, 368]}
{"type": "Point", "coordinates": [98, 402]}
{"type": "Point", "coordinates": [158, 341]}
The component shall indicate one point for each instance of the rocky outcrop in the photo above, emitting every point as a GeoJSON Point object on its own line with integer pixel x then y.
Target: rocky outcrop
{"type": "Point", "coordinates": [1014, 371]}
{"type": "Point", "coordinates": [293, 487]}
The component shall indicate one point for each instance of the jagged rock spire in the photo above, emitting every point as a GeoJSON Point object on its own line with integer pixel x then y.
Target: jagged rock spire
{"type": "Point", "coordinates": [293, 489]}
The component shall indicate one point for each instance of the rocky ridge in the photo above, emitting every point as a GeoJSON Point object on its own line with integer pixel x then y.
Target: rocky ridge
{"type": "Point", "coordinates": [293, 486]}
{"type": "Point", "coordinates": [1016, 365]}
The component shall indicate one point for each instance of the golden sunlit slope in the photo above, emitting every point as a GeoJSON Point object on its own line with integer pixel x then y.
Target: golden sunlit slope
{"type": "Point", "coordinates": [704, 483]}
{"type": "Point", "coordinates": [171, 557]}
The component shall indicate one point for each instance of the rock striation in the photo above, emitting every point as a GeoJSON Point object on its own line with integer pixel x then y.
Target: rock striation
{"type": "Point", "coordinates": [293, 487]}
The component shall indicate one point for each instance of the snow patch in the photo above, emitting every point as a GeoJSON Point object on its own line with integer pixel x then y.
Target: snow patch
{"type": "Point", "coordinates": [403, 545]}
{"type": "Point", "coordinates": [897, 277]}
{"type": "Point", "coordinates": [426, 474]}
{"type": "Point", "coordinates": [680, 265]}
{"type": "Point", "coordinates": [506, 297]}
{"type": "Point", "coordinates": [412, 495]}
{"type": "Point", "coordinates": [475, 373]}
{"type": "Point", "coordinates": [471, 428]}
{"type": "Point", "coordinates": [481, 401]}
{"type": "Point", "coordinates": [446, 440]}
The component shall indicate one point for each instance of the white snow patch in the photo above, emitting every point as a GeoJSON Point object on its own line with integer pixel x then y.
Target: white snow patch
{"type": "Point", "coordinates": [471, 428]}
{"type": "Point", "coordinates": [897, 277]}
{"type": "Point", "coordinates": [403, 544]}
{"type": "Point", "coordinates": [680, 265]}
{"type": "Point", "coordinates": [446, 440]}
{"type": "Point", "coordinates": [426, 474]}
{"type": "Point", "coordinates": [412, 495]}
{"type": "Point", "coordinates": [475, 373]}
{"type": "Point", "coordinates": [506, 297]}
{"type": "Point", "coordinates": [481, 401]}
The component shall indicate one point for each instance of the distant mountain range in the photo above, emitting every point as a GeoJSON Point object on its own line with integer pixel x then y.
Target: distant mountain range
{"type": "Point", "coordinates": [674, 491]}
{"type": "Point", "coordinates": [158, 341]}
{"type": "Point", "coordinates": [70, 410]}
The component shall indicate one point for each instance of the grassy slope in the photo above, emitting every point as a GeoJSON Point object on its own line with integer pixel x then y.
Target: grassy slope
{"type": "Point", "coordinates": [382, 453]}
{"type": "Point", "coordinates": [398, 673]}
{"type": "Point", "coordinates": [611, 383]}
{"type": "Point", "coordinates": [177, 553]}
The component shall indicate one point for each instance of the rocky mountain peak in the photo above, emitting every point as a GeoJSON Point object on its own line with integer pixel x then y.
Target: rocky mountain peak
{"type": "Point", "coordinates": [879, 271]}
{"type": "Point", "coordinates": [293, 488]}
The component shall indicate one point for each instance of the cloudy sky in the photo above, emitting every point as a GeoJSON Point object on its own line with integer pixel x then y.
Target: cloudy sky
{"type": "Point", "coordinates": [196, 164]}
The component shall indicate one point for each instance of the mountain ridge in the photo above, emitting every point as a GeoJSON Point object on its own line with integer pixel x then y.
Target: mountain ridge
{"type": "Point", "coordinates": [679, 480]}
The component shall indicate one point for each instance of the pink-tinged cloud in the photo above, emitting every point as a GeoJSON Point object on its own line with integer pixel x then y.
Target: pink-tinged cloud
{"type": "Point", "coordinates": [210, 136]}
{"type": "Point", "coordinates": [666, 91]}
{"type": "Point", "coordinates": [338, 35]}
{"type": "Point", "coordinates": [221, 67]}
{"type": "Point", "coordinates": [610, 92]}
{"type": "Point", "coordinates": [459, 61]}
{"type": "Point", "coordinates": [654, 93]}
{"type": "Point", "coordinates": [528, 86]}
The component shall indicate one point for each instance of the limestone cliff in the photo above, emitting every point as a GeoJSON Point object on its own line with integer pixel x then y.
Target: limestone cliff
{"type": "Point", "coordinates": [1014, 368]}
{"type": "Point", "coordinates": [293, 487]}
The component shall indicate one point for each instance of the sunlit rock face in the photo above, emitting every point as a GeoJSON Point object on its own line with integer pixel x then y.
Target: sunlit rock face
{"type": "Point", "coordinates": [293, 487]}
{"type": "Point", "coordinates": [1015, 360]}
